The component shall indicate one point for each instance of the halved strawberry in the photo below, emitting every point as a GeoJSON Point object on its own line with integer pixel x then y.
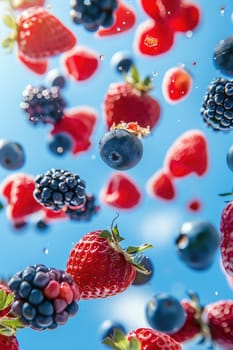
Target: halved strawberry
{"type": "Point", "coordinates": [125, 19]}
{"type": "Point", "coordinates": [176, 84]}
{"type": "Point", "coordinates": [188, 154]}
{"type": "Point", "coordinates": [80, 63]}
{"type": "Point", "coordinates": [37, 66]}
{"type": "Point", "coordinates": [121, 192]}
{"type": "Point", "coordinates": [161, 185]}
{"type": "Point", "coordinates": [153, 38]}
{"type": "Point", "coordinates": [79, 123]}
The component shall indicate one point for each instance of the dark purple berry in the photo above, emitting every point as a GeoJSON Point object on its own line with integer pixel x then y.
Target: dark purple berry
{"type": "Point", "coordinates": [223, 56]}
{"type": "Point", "coordinates": [141, 278]}
{"type": "Point", "coordinates": [60, 144]}
{"type": "Point", "coordinates": [56, 78]}
{"type": "Point", "coordinates": [122, 61]}
{"type": "Point", "coordinates": [12, 155]}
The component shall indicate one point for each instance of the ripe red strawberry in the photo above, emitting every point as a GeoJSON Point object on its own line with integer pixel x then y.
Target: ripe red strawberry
{"type": "Point", "coordinates": [176, 84]}
{"type": "Point", "coordinates": [153, 37]}
{"type": "Point", "coordinates": [39, 66]}
{"type": "Point", "coordinates": [161, 9]}
{"type": "Point", "coordinates": [80, 63]}
{"type": "Point", "coordinates": [188, 18]}
{"type": "Point", "coordinates": [125, 19]}
{"type": "Point", "coordinates": [226, 243]}
{"type": "Point", "coordinates": [219, 317]}
{"type": "Point", "coordinates": [100, 267]}
{"type": "Point", "coordinates": [79, 123]}
{"type": "Point", "coordinates": [121, 192]}
{"type": "Point", "coordinates": [8, 343]}
{"type": "Point", "coordinates": [39, 34]}
{"type": "Point", "coordinates": [188, 154]}
{"type": "Point", "coordinates": [192, 327]}
{"type": "Point", "coordinates": [130, 101]}
{"type": "Point", "coordinates": [24, 4]}
{"type": "Point", "coordinates": [161, 185]}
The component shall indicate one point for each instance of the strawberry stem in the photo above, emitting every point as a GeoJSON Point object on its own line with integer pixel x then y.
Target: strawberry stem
{"type": "Point", "coordinates": [119, 341]}
{"type": "Point", "coordinates": [133, 78]}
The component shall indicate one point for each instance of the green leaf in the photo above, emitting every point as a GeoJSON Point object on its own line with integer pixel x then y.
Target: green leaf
{"type": "Point", "coordinates": [225, 194]}
{"type": "Point", "coordinates": [1, 205]}
{"type": "Point", "coordinates": [11, 322]}
{"type": "Point", "coordinates": [5, 299]}
{"type": "Point", "coordinates": [105, 234]}
{"type": "Point", "coordinates": [147, 81]}
{"type": "Point", "coordinates": [10, 22]}
{"type": "Point", "coordinates": [116, 234]}
{"type": "Point", "coordinates": [134, 74]}
{"type": "Point", "coordinates": [118, 341]}
{"type": "Point", "coordinates": [134, 344]}
{"type": "Point", "coordinates": [141, 248]}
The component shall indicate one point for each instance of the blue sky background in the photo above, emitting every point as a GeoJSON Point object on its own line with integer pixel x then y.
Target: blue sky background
{"type": "Point", "coordinates": [154, 221]}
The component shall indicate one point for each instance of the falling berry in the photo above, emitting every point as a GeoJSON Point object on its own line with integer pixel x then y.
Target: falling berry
{"type": "Point", "coordinates": [176, 84]}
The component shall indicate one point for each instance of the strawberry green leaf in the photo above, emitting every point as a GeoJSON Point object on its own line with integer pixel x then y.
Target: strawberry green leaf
{"type": "Point", "coordinates": [141, 248]}
{"type": "Point", "coordinates": [120, 342]}
{"type": "Point", "coordinates": [5, 299]}
{"type": "Point", "coordinates": [10, 22]}
{"type": "Point", "coordinates": [134, 75]}
{"type": "Point", "coordinates": [105, 234]}
{"type": "Point", "coordinates": [116, 234]}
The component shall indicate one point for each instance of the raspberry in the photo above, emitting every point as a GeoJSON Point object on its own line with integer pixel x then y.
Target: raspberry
{"type": "Point", "coordinates": [94, 13]}
{"type": "Point", "coordinates": [56, 189]}
{"type": "Point", "coordinates": [43, 297]}
{"type": "Point", "coordinates": [86, 212]}
{"type": "Point", "coordinates": [217, 105]}
{"type": "Point", "coordinates": [43, 105]}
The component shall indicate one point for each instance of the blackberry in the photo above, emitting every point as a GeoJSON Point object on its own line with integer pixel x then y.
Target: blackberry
{"type": "Point", "coordinates": [43, 297]}
{"type": "Point", "coordinates": [93, 13]}
{"type": "Point", "coordinates": [56, 189]}
{"type": "Point", "coordinates": [43, 105]}
{"type": "Point", "coordinates": [217, 105]}
{"type": "Point", "coordinates": [86, 212]}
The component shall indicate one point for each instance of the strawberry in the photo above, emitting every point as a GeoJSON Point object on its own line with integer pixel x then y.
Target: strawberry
{"type": "Point", "coordinates": [7, 184]}
{"type": "Point", "coordinates": [8, 342]}
{"type": "Point", "coordinates": [141, 339]}
{"type": "Point", "coordinates": [188, 154]}
{"type": "Point", "coordinates": [130, 101]}
{"type": "Point", "coordinates": [176, 84]}
{"type": "Point", "coordinates": [39, 34]}
{"type": "Point", "coordinates": [79, 123]}
{"type": "Point", "coordinates": [39, 66]}
{"type": "Point", "coordinates": [121, 192]}
{"type": "Point", "coordinates": [161, 185]}
{"type": "Point", "coordinates": [219, 317]}
{"type": "Point", "coordinates": [125, 19]}
{"type": "Point", "coordinates": [153, 38]}
{"type": "Point", "coordinates": [161, 9]}
{"type": "Point", "coordinates": [192, 326]}
{"type": "Point", "coordinates": [100, 267]}
{"type": "Point", "coordinates": [24, 4]}
{"type": "Point", "coordinates": [80, 63]}
{"type": "Point", "coordinates": [226, 243]}
{"type": "Point", "coordinates": [188, 18]}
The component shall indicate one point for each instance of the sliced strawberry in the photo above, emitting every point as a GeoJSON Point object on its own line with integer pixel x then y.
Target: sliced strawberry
{"type": "Point", "coordinates": [121, 192]}
{"type": "Point", "coordinates": [79, 123]}
{"type": "Point", "coordinates": [188, 154]}
{"type": "Point", "coordinates": [161, 9]}
{"type": "Point", "coordinates": [37, 66]}
{"type": "Point", "coordinates": [153, 38]}
{"type": "Point", "coordinates": [188, 18]}
{"type": "Point", "coordinates": [125, 19]}
{"type": "Point", "coordinates": [161, 185]}
{"type": "Point", "coordinates": [80, 63]}
{"type": "Point", "coordinates": [176, 84]}
{"type": "Point", "coordinates": [24, 4]}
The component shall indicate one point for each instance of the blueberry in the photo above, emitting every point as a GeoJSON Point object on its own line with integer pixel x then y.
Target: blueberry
{"type": "Point", "coordinates": [165, 313]}
{"type": "Point", "coordinates": [56, 78]}
{"type": "Point", "coordinates": [230, 158]}
{"type": "Point", "coordinates": [122, 61]}
{"type": "Point", "coordinates": [108, 326]}
{"type": "Point", "coordinates": [197, 244]}
{"type": "Point", "coordinates": [223, 56]}
{"type": "Point", "coordinates": [41, 225]}
{"type": "Point", "coordinates": [12, 156]}
{"type": "Point", "coordinates": [60, 144]}
{"type": "Point", "coordinates": [120, 149]}
{"type": "Point", "coordinates": [140, 277]}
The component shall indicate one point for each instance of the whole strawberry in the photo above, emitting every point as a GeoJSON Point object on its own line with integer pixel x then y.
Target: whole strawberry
{"type": "Point", "coordinates": [226, 243]}
{"type": "Point", "coordinates": [219, 317]}
{"type": "Point", "coordinates": [99, 265]}
{"type": "Point", "coordinates": [8, 342]}
{"type": "Point", "coordinates": [130, 101]}
{"type": "Point", "coordinates": [39, 34]}
{"type": "Point", "coordinates": [143, 339]}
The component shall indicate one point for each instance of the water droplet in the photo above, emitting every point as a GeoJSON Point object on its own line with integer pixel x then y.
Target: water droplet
{"type": "Point", "coordinates": [216, 292]}
{"type": "Point", "coordinates": [101, 57]}
{"type": "Point", "coordinates": [46, 251]}
{"type": "Point", "coordinates": [155, 73]}
{"type": "Point", "coordinates": [93, 156]}
{"type": "Point", "coordinates": [189, 34]}
{"type": "Point", "coordinates": [194, 63]}
{"type": "Point", "coordinates": [118, 29]}
{"type": "Point", "coordinates": [222, 11]}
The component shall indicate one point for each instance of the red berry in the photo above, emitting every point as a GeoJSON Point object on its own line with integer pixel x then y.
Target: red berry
{"type": "Point", "coordinates": [153, 38]}
{"type": "Point", "coordinates": [226, 244]}
{"type": "Point", "coordinates": [188, 154]}
{"type": "Point", "coordinates": [161, 185]}
{"type": "Point", "coordinates": [80, 63]}
{"type": "Point", "coordinates": [66, 292]}
{"type": "Point", "coordinates": [125, 19]}
{"type": "Point", "coordinates": [194, 205]}
{"type": "Point", "coordinates": [8, 343]}
{"type": "Point", "coordinates": [121, 192]}
{"type": "Point", "coordinates": [188, 18]}
{"type": "Point", "coordinates": [52, 290]}
{"type": "Point", "coordinates": [37, 66]}
{"type": "Point", "coordinates": [79, 123]}
{"type": "Point", "coordinates": [176, 84]}
{"type": "Point", "coordinates": [161, 9]}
